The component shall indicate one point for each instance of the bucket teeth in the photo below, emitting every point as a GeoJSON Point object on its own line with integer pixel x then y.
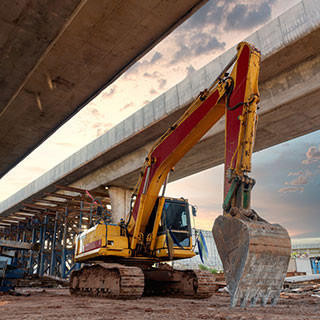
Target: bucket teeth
{"type": "Point", "coordinates": [255, 257]}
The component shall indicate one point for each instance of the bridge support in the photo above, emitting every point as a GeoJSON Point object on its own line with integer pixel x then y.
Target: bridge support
{"type": "Point", "coordinates": [120, 202]}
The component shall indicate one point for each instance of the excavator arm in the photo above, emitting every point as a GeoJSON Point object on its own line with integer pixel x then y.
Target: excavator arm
{"type": "Point", "coordinates": [255, 254]}
{"type": "Point", "coordinates": [238, 89]}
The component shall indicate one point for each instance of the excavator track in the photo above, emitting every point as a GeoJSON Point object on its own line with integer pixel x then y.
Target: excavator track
{"type": "Point", "coordinates": [115, 281]}
{"type": "Point", "coordinates": [194, 284]}
{"type": "Point", "coordinates": [205, 284]}
{"type": "Point", "coordinates": [108, 280]}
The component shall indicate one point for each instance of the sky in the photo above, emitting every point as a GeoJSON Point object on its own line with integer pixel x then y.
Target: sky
{"type": "Point", "coordinates": [287, 175]}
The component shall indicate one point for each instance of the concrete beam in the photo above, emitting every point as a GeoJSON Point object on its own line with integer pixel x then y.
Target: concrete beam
{"type": "Point", "coordinates": [51, 65]}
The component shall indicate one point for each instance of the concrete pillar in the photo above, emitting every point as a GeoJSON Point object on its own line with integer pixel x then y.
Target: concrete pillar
{"type": "Point", "coordinates": [120, 203]}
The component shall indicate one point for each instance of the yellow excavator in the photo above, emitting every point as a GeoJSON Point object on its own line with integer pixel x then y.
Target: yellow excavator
{"type": "Point", "coordinates": [124, 260]}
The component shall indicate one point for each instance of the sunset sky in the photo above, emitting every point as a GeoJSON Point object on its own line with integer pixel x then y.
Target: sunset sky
{"type": "Point", "coordinates": [288, 175]}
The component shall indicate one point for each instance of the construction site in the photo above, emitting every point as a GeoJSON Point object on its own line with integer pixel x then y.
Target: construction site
{"type": "Point", "coordinates": [97, 236]}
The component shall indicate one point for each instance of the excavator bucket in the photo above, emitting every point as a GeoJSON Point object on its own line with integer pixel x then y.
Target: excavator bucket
{"type": "Point", "coordinates": [255, 257]}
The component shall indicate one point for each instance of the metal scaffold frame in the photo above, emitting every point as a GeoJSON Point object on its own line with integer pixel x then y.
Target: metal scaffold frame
{"type": "Point", "coordinates": [49, 225]}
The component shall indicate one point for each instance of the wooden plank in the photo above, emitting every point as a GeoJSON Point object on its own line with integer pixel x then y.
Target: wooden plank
{"type": "Point", "coordinates": [18, 218]}
{"type": "Point", "coordinates": [71, 189]}
{"type": "Point", "coordinates": [61, 203]}
{"type": "Point", "coordinates": [44, 210]}
{"type": "Point", "coordinates": [30, 211]}
{"type": "Point", "coordinates": [59, 195]}
{"type": "Point", "coordinates": [83, 191]}
{"type": "Point", "coordinates": [40, 207]}
{"type": "Point", "coordinates": [25, 214]}
{"type": "Point", "coordinates": [10, 221]}
{"type": "Point", "coordinates": [104, 201]}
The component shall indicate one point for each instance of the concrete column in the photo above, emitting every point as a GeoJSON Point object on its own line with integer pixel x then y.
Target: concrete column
{"type": "Point", "coordinates": [120, 203]}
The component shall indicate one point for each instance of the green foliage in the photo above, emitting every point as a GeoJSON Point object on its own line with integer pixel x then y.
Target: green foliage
{"type": "Point", "coordinates": [212, 270]}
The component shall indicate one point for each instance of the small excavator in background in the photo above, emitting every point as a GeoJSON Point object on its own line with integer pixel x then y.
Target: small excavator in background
{"type": "Point", "coordinates": [124, 260]}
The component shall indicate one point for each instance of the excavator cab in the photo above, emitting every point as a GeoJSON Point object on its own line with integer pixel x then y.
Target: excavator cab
{"type": "Point", "coordinates": [170, 229]}
{"type": "Point", "coordinates": [176, 219]}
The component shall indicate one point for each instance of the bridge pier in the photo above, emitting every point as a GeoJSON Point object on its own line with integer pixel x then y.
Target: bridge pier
{"type": "Point", "coordinates": [120, 203]}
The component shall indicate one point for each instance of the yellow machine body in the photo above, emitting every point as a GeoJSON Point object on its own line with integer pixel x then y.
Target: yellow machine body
{"type": "Point", "coordinates": [110, 241]}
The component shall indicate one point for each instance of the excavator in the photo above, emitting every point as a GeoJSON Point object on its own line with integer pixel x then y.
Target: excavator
{"type": "Point", "coordinates": [127, 260]}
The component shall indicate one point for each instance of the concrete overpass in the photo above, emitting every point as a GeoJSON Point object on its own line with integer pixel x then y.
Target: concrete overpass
{"type": "Point", "coordinates": [55, 56]}
{"type": "Point", "coordinates": [290, 91]}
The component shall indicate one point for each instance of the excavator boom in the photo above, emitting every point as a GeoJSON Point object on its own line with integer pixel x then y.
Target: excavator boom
{"type": "Point", "coordinates": [241, 87]}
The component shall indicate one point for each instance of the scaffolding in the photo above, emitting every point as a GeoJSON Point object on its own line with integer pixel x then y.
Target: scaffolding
{"type": "Point", "coordinates": [50, 224]}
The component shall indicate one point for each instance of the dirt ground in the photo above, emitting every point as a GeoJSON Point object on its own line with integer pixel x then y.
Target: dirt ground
{"type": "Point", "coordinates": [58, 304]}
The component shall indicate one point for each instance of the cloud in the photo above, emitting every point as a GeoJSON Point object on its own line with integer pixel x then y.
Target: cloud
{"type": "Point", "coordinates": [134, 70]}
{"type": "Point", "coordinates": [291, 189]}
{"type": "Point", "coordinates": [153, 91]}
{"type": "Point", "coordinates": [205, 42]}
{"type": "Point", "coordinates": [64, 144]}
{"type": "Point", "coordinates": [162, 83]}
{"type": "Point", "coordinates": [302, 178]}
{"type": "Point", "coordinates": [102, 130]}
{"type": "Point", "coordinates": [153, 75]}
{"type": "Point", "coordinates": [101, 127]}
{"type": "Point", "coordinates": [143, 64]}
{"type": "Point", "coordinates": [312, 155]}
{"type": "Point", "coordinates": [108, 93]}
{"type": "Point", "coordinates": [95, 112]}
{"type": "Point", "coordinates": [190, 69]}
{"type": "Point", "coordinates": [210, 14]}
{"type": "Point", "coordinates": [245, 16]}
{"type": "Point", "coordinates": [157, 56]}
{"type": "Point", "coordinates": [203, 32]}
{"type": "Point", "coordinates": [128, 105]}
{"type": "Point", "coordinates": [195, 45]}
{"type": "Point", "coordinates": [295, 173]}
{"type": "Point", "coordinates": [33, 169]}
